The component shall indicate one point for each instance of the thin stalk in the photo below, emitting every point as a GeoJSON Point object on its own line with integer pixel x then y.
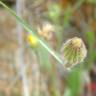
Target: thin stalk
{"type": "Point", "coordinates": [22, 68]}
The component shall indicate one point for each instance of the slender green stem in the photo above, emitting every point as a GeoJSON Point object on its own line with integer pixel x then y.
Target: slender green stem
{"type": "Point", "coordinates": [29, 29]}
{"type": "Point", "coordinates": [51, 52]}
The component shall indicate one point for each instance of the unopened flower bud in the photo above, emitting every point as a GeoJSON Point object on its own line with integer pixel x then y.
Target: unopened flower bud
{"type": "Point", "coordinates": [73, 51]}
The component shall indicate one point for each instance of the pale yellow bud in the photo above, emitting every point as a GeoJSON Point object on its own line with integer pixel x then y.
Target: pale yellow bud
{"type": "Point", "coordinates": [77, 42]}
{"type": "Point", "coordinates": [73, 51]}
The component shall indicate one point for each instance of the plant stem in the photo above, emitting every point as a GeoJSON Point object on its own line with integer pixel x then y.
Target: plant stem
{"type": "Point", "coordinates": [22, 68]}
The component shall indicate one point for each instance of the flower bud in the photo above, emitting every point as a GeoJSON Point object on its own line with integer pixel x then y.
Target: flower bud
{"type": "Point", "coordinates": [73, 52]}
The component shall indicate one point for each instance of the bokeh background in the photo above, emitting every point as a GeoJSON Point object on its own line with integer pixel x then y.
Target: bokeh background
{"type": "Point", "coordinates": [45, 76]}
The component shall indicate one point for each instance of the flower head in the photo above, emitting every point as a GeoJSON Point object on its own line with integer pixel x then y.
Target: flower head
{"type": "Point", "coordinates": [73, 51]}
{"type": "Point", "coordinates": [32, 40]}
